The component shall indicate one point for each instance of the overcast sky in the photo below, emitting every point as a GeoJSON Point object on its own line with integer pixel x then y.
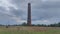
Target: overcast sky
{"type": "Point", "coordinates": [43, 11]}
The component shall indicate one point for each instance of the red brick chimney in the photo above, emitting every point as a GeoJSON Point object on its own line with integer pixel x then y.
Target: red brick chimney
{"type": "Point", "coordinates": [29, 15]}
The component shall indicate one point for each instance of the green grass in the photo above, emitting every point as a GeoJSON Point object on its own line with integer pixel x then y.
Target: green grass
{"type": "Point", "coordinates": [28, 32]}
{"type": "Point", "coordinates": [13, 31]}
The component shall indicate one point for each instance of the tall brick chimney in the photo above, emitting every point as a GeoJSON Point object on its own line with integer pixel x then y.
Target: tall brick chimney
{"type": "Point", "coordinates": [29, 15]}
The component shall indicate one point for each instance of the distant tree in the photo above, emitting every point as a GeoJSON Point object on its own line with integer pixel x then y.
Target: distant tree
{"type": "Point", "coordinates": [33, 25]}
{"type": "Point", "coordinates": [38, 25]}
{"type": "Point", "coordinates": [56, 25]}
{"type": "Point", "coordinates": [59, 24]}
{"type": "Point", "coordinates": [53, 25]}
{"type": "Point", "coordinates": [48, 25]}
{"type": "Point", "coordinates": [45, 25]}
{"type": "Point", "coordinates": [24, 24]}
{"type": "Point", "coordinates": [42, 25]}
{"type": "Point", "coordinates": [1, 25]}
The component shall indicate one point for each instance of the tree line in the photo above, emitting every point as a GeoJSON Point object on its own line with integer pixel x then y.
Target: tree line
{"type": "Point", "coordinates": [40, 25]}
{"type": "Point", "coordinates": [43, 25]}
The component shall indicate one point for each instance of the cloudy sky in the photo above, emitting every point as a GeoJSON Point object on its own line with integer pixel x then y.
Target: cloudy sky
{"type": "Point", "coordinates": [43, 11]}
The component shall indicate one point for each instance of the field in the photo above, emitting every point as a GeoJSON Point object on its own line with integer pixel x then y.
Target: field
{"type": "Point", "coordinates": [29, 30]}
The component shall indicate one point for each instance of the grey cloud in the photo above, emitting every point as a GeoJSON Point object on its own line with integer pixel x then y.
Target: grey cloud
{"type": "Point", "coordinates": [5, 19]}
{"type": "Point", "coordinates": [18, 13]}
{"type": "Point", "coordinates": [51, 5]}
{"type": "Point", "coordinates": [18, 3]}
{"type": "Point", "coordinates": [46, 10]}
{"type": "Point", "coordinates": [2, 9]}
{"type": "Point", "coordinates": [46, 13]}
{"type": "Point", "coordinates": [48, 4]}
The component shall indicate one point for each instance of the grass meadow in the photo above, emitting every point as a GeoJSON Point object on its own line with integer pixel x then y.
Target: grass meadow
{"type": "Point", "coordinates": [29, 30]}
